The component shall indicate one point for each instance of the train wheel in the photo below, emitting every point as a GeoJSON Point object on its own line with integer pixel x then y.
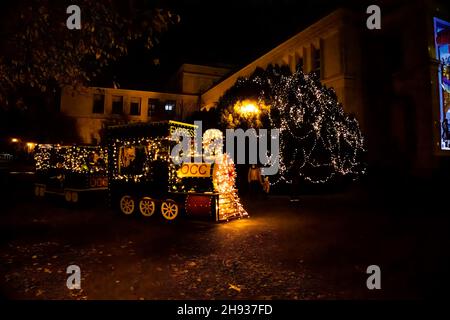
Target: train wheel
{"type": "Point", "coordinates": [127, 205]}
{"type": "Point", "coordinates": [169, 209]}
{"type": "Point", "coordinates": [68, 196]}
{"type": "Point", "coordinates": [74, 196]}
{"type": "Point", "coordinates": [147, 206]}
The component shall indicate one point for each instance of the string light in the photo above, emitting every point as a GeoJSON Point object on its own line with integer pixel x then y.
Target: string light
{"type": "Point", "coordinates": [310, 117]}
{"type": "Point", "coordinates": [42, 156]}
{"type": "Point", "coordinates": [77, 159]}
{"type": "Point", "coordinates": [318, 141]}
{"type": "Point", "coordinates": [224, 179]}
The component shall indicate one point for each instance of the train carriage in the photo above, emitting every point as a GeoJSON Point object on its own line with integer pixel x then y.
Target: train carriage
{"type": "Point", "coordinates": [70, 171]}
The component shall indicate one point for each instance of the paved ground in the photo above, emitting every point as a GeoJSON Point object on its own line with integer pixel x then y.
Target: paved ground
{"type": "Point", "coordinates": [316, 249]}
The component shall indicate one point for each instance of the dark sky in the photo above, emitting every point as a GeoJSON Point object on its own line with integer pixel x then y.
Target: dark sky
{"type": "Point", "coordinates": [220, 32]}
{"type": "Point", "coordinates": [214, 32]}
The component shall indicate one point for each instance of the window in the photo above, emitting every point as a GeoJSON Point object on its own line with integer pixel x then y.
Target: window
{"type": "Point", "coordinates": [132, 160]}
{"type": "Point", "coordinates": [99, 103]}
{"type": "Point", "coordinates": [135, 106]}
{"type": "Point", "coordinates": [170, 106]}
{"type": "Point", "coordinates": [117, 104]}
{"type": "Point", "coordinates": [316, 60]}
{"type": "Point", "coordinates": [152, 106]}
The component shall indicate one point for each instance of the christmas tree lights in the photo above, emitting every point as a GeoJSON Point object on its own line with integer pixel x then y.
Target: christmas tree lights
{"type": "Point", "coordinates": [319, 142]}
{"type": "Point", "coordinates": [42, 155]}
{"type": "Point", "coordinates": [223, 177]}
{"type": "Point", "coordinates": [224, 180]}
{"type": "Point", "coordinates": [76, 159]}
{"type": "Point", "coordinates": [124, 156]}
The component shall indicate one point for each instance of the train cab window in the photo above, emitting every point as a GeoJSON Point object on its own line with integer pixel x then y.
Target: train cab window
{"type": "Point", "coordinates": [132, 160]}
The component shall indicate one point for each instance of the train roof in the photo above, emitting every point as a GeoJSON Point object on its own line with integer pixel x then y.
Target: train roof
{"type": "Point", "coordinates": [146, 129]}
{"type": "Point", "coordinates": [55, 145]}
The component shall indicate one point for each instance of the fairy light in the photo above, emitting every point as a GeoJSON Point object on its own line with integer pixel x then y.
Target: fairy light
{"type": "Point", "coordinates": [77, 159]}
{"type": "Point", "coordinates": [156, 149]}
{"type": "Point", "coordinates": [224, 180]}
{"type": "Point", "coordinates": [318, 140]}
{"type": "Point", "coordinates": [42, 157]}
{"type": "Point", "coordinates": [329, 129]}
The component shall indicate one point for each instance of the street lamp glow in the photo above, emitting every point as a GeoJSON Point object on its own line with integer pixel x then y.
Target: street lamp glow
{"type": "Point", "coordinates": [247, 108]}
{"type": "Point", "coordinates": [14, 140]}
{"type": "Point", "coordinates": [30, 146]}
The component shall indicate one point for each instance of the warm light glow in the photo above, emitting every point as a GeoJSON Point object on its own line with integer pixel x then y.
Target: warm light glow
{"type": "Point", "coordinates": [247, 108]}
{"type": "Point", "coordinates": [75, 159]}
{"type": "Point", "coordinates": [14, 140]}
{"type": "Point", "coordinates": [30, 146]}
{"type": "Point", "coordinates": [224, 181]}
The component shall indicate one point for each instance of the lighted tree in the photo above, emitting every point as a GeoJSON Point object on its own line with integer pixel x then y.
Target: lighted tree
{"type": "Point", "coordinates": [257, 89]}
{"type": "Point", "coordinates": [319, 142]}
{"type": "Point", "coordinates": [224, 175]}
{"type": "Point", "coordinates": [224, 180]}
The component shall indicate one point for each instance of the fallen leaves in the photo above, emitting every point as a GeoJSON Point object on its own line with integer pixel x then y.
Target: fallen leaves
{"type": "Point", "coordinates": [39, 292]}
{"type": "Point", "coordinates": [234, 287]}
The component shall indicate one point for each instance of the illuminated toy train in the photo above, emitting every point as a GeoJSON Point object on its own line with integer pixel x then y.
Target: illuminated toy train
{"type": "Point", "coordinates": [143, 179]}
{"type": "Point", "coordinates": [70, 171]}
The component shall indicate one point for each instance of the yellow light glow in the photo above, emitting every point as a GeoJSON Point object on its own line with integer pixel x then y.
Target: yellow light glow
{"type": "Point", "coordinates": [248, 108]}
{"type": "Point", "coordinates": [30, 146]}
{"type": "Point", "coordinates": [14, 140]}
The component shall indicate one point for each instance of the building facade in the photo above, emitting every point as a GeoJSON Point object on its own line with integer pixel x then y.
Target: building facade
{"type": "Point", "coordinates": [394, 80]}
{"type": "Point", "coordinates": [404, 89]}
{"type": "Point", "coordinates": [95, 108]}
{"type": "Point", "coordinates": [196, 79]}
